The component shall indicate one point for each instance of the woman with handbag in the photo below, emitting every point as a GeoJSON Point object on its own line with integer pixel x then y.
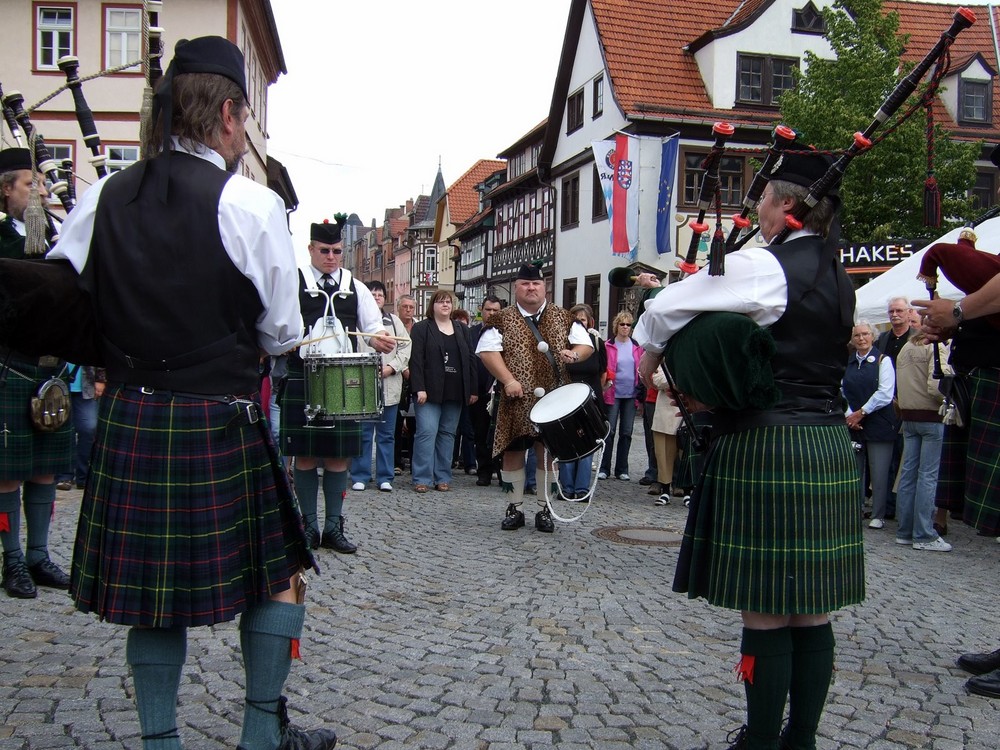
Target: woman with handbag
{"type": "Point", "coordinates": [443, 378]}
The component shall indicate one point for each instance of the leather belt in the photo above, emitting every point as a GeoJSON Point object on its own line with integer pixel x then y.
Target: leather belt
{"type": "Point", "coordinates": [249, 412]}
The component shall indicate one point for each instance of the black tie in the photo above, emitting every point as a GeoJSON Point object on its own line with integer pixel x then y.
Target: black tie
{"type": "Point", "coordinates": [328, 286]}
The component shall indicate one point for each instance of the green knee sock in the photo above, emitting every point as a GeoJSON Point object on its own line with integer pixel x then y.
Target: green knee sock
{"type": "Point", "coordinates": [334, 488]}
{"type": "Point", "coordinates": [39, 500]}
{"type": "Point", "coordinates": [10, 523]}
{"type": "Point", "coordinates": [812, 671]}
{"type": "Point", "coordinates": [766, 668]}
{"type": "Point", "coordinates": [266, 633]}
{"type": "Point", "coordinates": [306, 490]}
{"type": "Point", "coordinates": [156, 657]}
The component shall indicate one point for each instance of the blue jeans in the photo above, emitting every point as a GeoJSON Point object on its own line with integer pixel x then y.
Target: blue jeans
{"type": "Point", "coordinates": [84, 417]}
{"type": "Point", "coordinates": [531, 469]}
{"type": "Point", "coordinates": [621, 414]}
{"type": "Point", "coordinates": [385, 447]}
{"type": "Point", "coordinates": [435, 441]}
{"type": "Point", "coordinates": [918, 480]}
{"type": "Point", "coordinates": [574, 476]}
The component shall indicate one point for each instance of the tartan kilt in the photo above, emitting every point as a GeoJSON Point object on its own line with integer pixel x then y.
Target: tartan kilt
{"type": "Point", "coordinates": [183, 522]}
{"type": "Point", "coordinates": [970, 468]}
{"type": "Point", "coordinates": [341, 441]}
{"type": "Point", "coordinates": [774, 526]}
{"type": "Point", "coordinates": [26, 451]}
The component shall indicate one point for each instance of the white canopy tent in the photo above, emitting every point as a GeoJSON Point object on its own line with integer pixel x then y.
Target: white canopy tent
{"type": "Point", "coordinates": [901, 279]}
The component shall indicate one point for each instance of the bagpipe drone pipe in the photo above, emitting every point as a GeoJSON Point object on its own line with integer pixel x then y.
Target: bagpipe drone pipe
{"type": "Point", "coordinates": [43, 310]}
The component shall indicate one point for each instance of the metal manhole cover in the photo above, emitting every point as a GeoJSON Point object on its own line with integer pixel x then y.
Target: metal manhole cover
{"type": "Point", "coordinates": [640, 535]}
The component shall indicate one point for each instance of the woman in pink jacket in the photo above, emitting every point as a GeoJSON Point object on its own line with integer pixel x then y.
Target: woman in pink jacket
{"type": "Point", "coordinates": [620, 393]}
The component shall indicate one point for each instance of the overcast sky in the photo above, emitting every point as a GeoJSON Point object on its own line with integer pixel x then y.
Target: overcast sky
{"type": "Point", "coordinates": [378, 90]}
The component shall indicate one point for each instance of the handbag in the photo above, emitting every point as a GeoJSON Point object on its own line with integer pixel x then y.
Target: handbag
{"type": "Point", "coordinates": [50, 406]}
{"type": "Point", "coordinates": [957, 407]}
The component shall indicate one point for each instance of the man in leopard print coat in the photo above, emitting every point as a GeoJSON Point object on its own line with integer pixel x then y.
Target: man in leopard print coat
{"type": "Point", "coordinates": [509, 350]}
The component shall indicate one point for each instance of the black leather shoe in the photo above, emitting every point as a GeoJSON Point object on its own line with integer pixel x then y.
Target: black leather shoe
{"type": "Point", "coordinates": [980, 663]}
{"type": "Point", "coordinates": [47, 573]}
{"type": "Point", "coordinates": [543, 521]}
{"type": "Point", "coordinates": [513, 520]}
{"type": "Point", "coordinates": [336, 540]}
{"type": "Point", "coordinates": [483, 482]}
{"type": "Point", "coordinates": [17, 581]}
{"type": "Point", "coordinates": [530, 491]}
{"type": "Point", "coordinates": [298, 739]}
{"type": "Point", "coordinates": [987, 684]}
{"type": "Point", "coordinates": [312, 537]}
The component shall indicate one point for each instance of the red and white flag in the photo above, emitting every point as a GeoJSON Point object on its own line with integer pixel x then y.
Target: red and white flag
{"type": "Point", "coordinates": [618, 167]}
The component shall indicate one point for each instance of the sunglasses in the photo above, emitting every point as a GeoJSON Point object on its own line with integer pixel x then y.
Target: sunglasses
{"type": "Point", "coordinates": [328, 250]}
{"type": "Point", "coordinates": [624, 325]}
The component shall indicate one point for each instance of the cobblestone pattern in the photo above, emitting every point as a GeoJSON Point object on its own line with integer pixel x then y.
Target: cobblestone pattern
{"type": "Point", "coordinates": [444, 632]}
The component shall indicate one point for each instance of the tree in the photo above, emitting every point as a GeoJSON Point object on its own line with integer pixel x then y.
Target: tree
{"type": "Point", "coordinates": [883, 189]}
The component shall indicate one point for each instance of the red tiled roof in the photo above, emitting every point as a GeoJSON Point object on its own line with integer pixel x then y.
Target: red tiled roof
{"type": "Point", "coordinates": [398, 226]}
{"type": "Point", "coordinates": [462, 196]}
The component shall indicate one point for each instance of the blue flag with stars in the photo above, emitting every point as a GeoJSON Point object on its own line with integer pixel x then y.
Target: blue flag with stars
{"type": "Point", "coordinates": [668, 171]}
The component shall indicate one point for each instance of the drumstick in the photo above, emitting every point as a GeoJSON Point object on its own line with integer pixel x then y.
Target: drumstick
{"type": "Point", "coordinates": [380, 335]}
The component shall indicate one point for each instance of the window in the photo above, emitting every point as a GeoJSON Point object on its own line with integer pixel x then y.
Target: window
{"type": "Point", "coordinates": [59, 152]}
{"type": "Point", "coordinates": [54, 35]}
{"type": "Point", "coordinates": [430, 259]}
{"type": "Point", "coordinates": [598, 96]}
{"type": "Point", "coordinates": [569, 293]}
{"type": "Point", "coordinates": [732, 175]}
{"type": "Point", "coordinates": [599, 206]}
{"type": "Point", "coordinates": [122, 36]}
{"type": "Point", "coordinates": [120, 157]}
{"type": "Point", "coordinates": [762, 80]}
{"type": "Point", "coordinates": [976, 104]}
{"type": "Point", "coordinates": [808, 20]}
{"type": "Point", "coordinates": [984, 191]}
{"type": "Point", "coordinates": [574, 112]}
{"type": "Point", "coordinates": [570, 201]}
{"type": "Point", "coordinates": [592, 294]}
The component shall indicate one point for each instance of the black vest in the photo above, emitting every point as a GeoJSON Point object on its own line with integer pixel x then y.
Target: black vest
{"type": "Point", "coordinates": [345, 308]}
{"type": "Point", "coordinates": [811, 340]}
{"type": "Point", "coordinates": [174, 311]}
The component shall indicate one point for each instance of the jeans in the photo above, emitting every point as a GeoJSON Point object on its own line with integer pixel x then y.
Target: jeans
{"type": "Point", "coordinates": [574, 476]}
{"type": "Point", "coordinates": [621, 414]}
{"type": "Point", "coordinates": [84, 417]}
{"type": "Point", "coordinates": [918, 480]}
{"type": "Point", "coordinates": [434, 442]}
{"type": "Point", "coordinates": [531, 469]}
{"type": "Point", "coordinates": [385, 446]}
{"type": "Point", "coordinates": [878, 455]}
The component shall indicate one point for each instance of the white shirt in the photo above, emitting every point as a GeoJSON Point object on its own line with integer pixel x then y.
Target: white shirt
{"type": "Point", "coordinates": [754, 284]}
{"type": "Point", "coordinates": [492, 340]}
{"type": "Point", "coordinates": [369, 316]}
{"type": "Point", "coordinates": [255, 236]}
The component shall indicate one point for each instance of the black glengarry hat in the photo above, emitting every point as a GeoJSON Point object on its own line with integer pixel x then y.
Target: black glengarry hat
{"type": "Point", "coordinates": [530, 271]}
{"type": "Point", "coordinates": [803, 168]}
{"type": "Point", "coordinates": [327, 233]}
{"type": "Point", "coordinates": [13, 159]}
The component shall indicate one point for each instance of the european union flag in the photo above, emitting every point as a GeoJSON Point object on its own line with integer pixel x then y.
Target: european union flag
{"type": "Point", "coordinates": [668, 171]}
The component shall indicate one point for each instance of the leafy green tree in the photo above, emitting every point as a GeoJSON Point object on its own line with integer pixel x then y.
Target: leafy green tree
{"type": "Point", "coordinates": [883, 189]}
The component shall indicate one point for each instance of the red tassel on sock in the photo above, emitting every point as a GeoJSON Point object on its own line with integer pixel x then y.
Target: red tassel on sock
{"type": "Point", "coordinates": [295, 649]}
{"type": "Point", "coordinates": [744, 670]}
{"type": "Point", "coordinates": [4, 522]}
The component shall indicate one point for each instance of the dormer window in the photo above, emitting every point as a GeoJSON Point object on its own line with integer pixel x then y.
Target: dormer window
{"type": "Point", "coordinates": [808, 20]}
{"type": "Point", "coordinates": [762, 79]}
{"type": "Point", "coordinates": [975, 102]}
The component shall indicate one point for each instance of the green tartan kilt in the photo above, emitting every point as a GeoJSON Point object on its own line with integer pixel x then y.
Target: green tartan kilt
{"type": "Point", "coordinates": [187, 519]}
{"type": "Point", "coordinates": [26, 451]}
{"type": "Point", "coordinates": [342, 441]}
{"type": "Point", "coordinates": [775, 527]}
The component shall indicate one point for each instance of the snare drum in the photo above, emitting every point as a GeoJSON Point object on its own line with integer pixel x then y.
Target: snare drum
{"type": "Point", "coordinates": [570, 421]}
{"type": "Point", "coordinates": [343, 387]}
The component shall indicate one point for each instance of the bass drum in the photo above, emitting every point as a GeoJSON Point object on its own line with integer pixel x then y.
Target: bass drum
{"type": "Point", "coordinates": [570, 421]}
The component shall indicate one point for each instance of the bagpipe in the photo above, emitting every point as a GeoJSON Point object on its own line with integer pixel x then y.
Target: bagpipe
{"type": "Point", "coordinates": [752, 389]}
{"type": "Point", "coordinates": [42, 308]}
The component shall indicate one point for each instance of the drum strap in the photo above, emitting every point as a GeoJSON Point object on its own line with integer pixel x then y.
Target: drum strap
{"type": "Point", "coordinates": [548, 352]}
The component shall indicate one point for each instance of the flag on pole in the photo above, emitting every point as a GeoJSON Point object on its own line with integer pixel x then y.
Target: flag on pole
{"type": "Point", "coordinates": [618, 167]}
{"type": "Point", "coordinates": [668, 172]}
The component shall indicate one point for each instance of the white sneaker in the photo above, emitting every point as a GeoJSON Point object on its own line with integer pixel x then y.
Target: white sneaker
{"type": "Point", "coordinates": [662, 499]}
{"type": "Point", "coordinates": [624, 477]}
{"type": "Point", "coordinates": [358, 486]}
{"type": "Point", "coordinates": [602, 475]}
{"type": "Point", "coordinates": [938, 545]}
{"type": "Point", "coordinates": [385, 487]}
{"type": "Point", "coordinates": [903, 541]}
{"type": "Point", "coordinates": [876, 523]}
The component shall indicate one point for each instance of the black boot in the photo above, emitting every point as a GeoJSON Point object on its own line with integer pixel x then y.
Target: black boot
{"type": "Point", "coordinates": [312, 537]}
{"type": "Point", "coordinates": [336, 540]}
{"type": "Point", "coordinates": [16, 579]}
{"type": "Point", "coordinates": [47, 573]}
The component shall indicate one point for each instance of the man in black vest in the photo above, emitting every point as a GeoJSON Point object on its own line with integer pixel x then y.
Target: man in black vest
{"type": "Point", "coordinates": [785, 545]}
{"type": "Point", "coordinates": [29, 458]}
{"type": "Point", "coordinates": [356, 310]}
{"type": "Point", "coordinates": [188, 518]}
{"type": "Point", "coordinates": [479, 411]}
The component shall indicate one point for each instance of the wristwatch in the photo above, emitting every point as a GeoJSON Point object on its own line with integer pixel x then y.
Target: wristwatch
{"type": "Point", "coordinates": [957, 312]}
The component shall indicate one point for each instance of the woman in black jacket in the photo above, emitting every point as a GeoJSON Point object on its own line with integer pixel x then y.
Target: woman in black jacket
{"type": "Point", "coordinates": [442, 379]}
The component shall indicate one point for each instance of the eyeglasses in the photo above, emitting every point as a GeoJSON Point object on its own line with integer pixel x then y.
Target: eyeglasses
{"type": "Point", "coordinates": [328, 250]}
{"type": "Point", "coordinates": [624, 325]}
